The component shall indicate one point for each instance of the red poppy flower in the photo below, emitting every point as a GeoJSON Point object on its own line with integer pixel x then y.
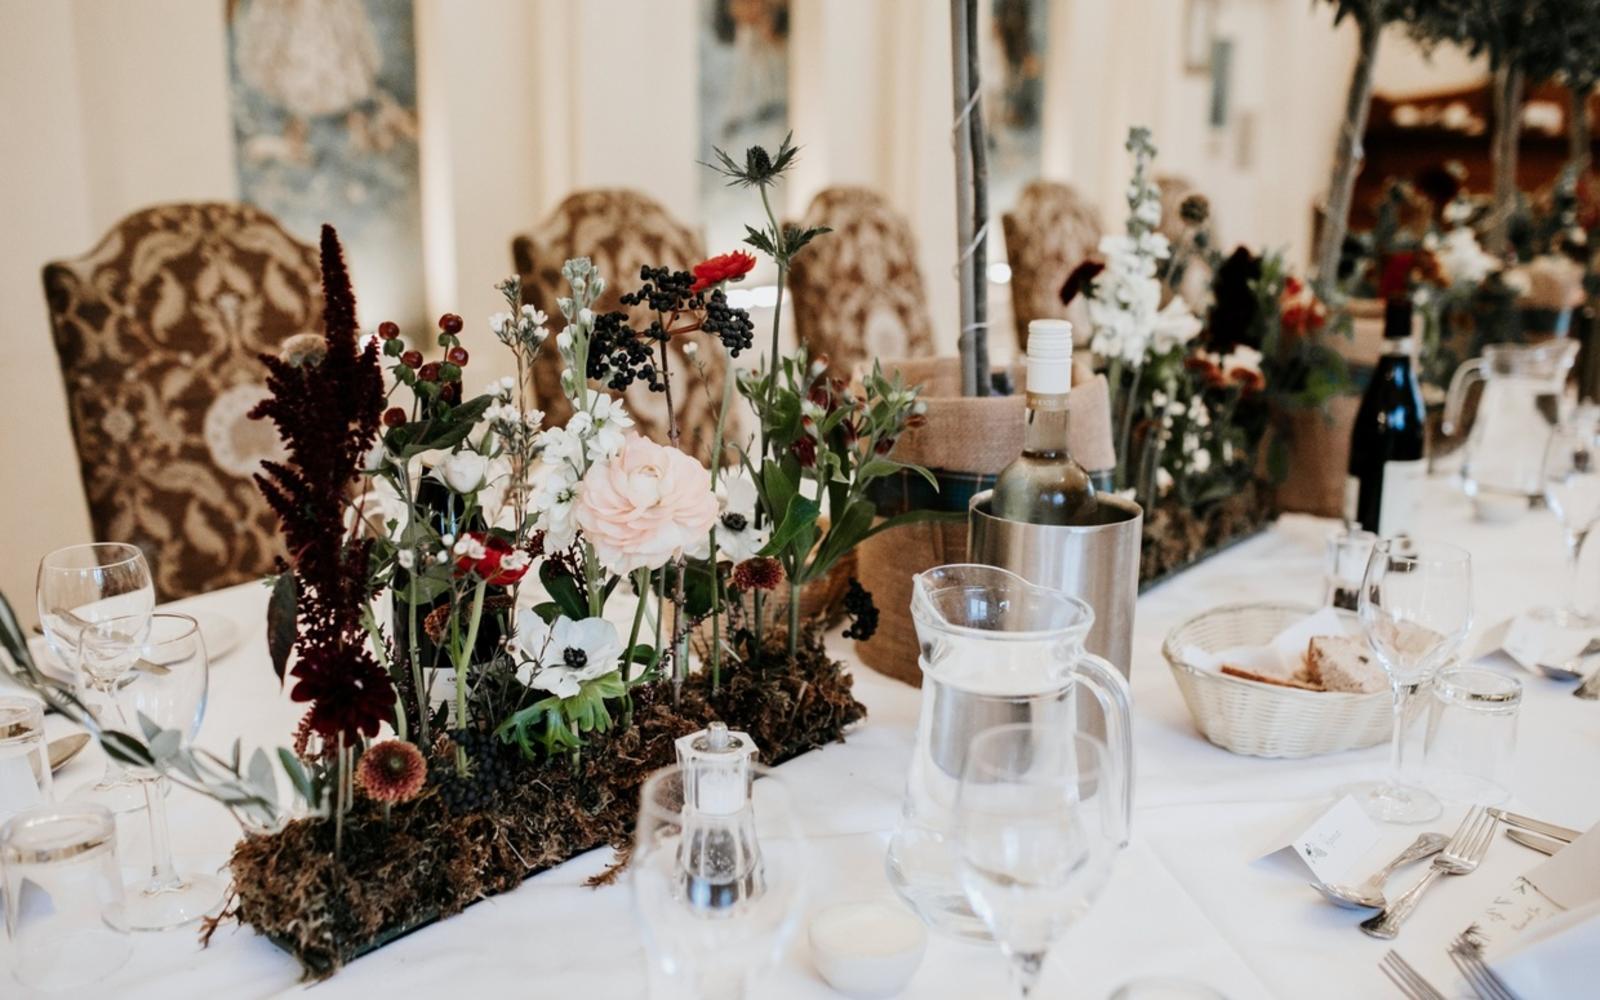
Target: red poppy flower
{"type": "Point", "coordinates": [1206, 368]}
{"type": "Point", "coordinates": [501, 564]}
{"type": "Point", "coordinates": [727, 267]}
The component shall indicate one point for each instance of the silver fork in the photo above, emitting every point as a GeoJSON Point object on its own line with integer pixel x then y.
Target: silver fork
{"type": "Point", "coordinates": [1468, 956]}
{"type": "Point", "coordinates": [1459, 857]}
{"type": "Point", "coordinates": [1408, 980]}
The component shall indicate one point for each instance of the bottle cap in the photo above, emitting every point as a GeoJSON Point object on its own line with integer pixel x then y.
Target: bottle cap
{"type": "Point", "coordinates": [1049, 356]}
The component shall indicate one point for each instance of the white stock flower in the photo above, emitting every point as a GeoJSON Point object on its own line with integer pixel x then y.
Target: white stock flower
{"type": "Point", "coordinates": [608, 425]}
{"type": "Point", "coordinates": [558, 657]}
{"type": "Point", "coordinates": [554, 490]}
{"type": "Point", "coordinates": [562, 445]}
{"type": "Point", "coordinates": [1463, 260]}
{"type": "Point", "coordinates": [737, 536]}
{"type": "Point", "coordinates": [1175, 326]}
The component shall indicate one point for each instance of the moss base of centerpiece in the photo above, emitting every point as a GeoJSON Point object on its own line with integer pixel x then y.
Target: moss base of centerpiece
{"type": "Point", "coordinates": [1177, 536]}
{"type": "Point", "coordinates": [426, 859]}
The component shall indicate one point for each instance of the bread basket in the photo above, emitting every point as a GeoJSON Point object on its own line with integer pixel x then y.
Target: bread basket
{"type": "Point", "coordinates": [1264, 720]}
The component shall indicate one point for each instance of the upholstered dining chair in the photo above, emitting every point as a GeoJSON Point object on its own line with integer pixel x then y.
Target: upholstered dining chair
{"type": "Point", "coordinates": [621, 231]}
{"type": "Point", "coordinates": [158, 330]}
{"type": "Point", "coordinates": [1050, 232]}
{"type": "Point", "coordinates": [857, 291]}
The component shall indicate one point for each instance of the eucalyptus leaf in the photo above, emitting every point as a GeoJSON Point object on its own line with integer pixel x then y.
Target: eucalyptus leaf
{"type": "Point", "coordinates": [260, 775]}
{"type": "Point", "coordinates": [282, 610]}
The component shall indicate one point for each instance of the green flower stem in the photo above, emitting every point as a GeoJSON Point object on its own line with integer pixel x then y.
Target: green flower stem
{"type": "Point", "coordinates": [591, 581]}
{"type": "Point", "coordinates": [781, 258]}
{"type": "Point", "coordinates": [342, 765]}
{"type": "Point", "coordinates": [728, 379]}
{"type": "Point", "coordinates": [1124, 436]}
{"type": "Point", "coordinates": [370, 622]}
{"type": "Point", "coordinates": [463, 660]}
{"type": "Point", "coordinates": [641, 587]}
{"type": "Point", "coordinates": [794, 618]}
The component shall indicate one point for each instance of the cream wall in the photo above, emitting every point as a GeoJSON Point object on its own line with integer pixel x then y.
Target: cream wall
{"type": "Point", "coordinates": [109, 106]}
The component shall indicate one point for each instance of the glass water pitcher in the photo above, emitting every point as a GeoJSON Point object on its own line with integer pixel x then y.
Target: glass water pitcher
{"type": "Point", "coordinates": [994, 649]}
{"type": "Point", "coordinates": [1522, 391]}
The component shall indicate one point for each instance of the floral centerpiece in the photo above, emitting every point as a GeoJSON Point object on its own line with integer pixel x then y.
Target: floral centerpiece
{"type": "Point", "coordinates": [494, 623]}
{"type": "Point", "coordinates": [1205, 355]}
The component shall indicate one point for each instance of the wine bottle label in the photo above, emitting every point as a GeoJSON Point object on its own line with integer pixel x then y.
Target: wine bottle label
{"type": "Point", "coordinates": [1400, 499]}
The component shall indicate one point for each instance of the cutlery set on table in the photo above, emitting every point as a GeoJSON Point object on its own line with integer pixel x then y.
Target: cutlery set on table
{"type": "Point", "coordinates": [1459, 854]}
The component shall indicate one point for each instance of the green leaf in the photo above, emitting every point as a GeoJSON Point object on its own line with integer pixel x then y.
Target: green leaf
{"type": "Point", "coordinates": [166, 743]}
{"type": "Point", "coordinates": [798, 519]}
{"type": "Point", "coordinates": [887, 466]}
{"type": "Point", "coordinates": [282, 609]}
{"type": "Point", "coordinates": [297, 776]}
{"type": "Point", "coordinates": [916, 517]}
{"type": "Point", "coordinates": [563, 590]}
{"type": "Point", "coordinates": [260, 775]}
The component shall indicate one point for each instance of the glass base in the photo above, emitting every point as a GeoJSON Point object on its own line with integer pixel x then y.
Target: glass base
{"type": "Point", "coordinates": [1388, 802]}
{"type": "Point", "coordinates": [125, 796]}
{"type": "Point", "coordinates": [153, 907]}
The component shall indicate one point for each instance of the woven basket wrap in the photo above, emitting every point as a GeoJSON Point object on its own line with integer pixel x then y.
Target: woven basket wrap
{"type": "Point", "coordinates": [965, 440]}
{"type": "Point", "coordinates": [1264, 720]}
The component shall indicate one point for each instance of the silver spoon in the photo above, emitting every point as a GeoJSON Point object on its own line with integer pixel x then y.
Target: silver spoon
{"type": "Point", "coordinates": [1368, 895]}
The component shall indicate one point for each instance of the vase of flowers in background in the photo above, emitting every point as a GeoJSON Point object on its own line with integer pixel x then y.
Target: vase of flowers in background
{"type": "Point", "coordinates": [1213, 362]}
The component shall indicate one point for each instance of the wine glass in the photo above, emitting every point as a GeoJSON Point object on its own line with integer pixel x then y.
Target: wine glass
{"type": "Point", "coordinates": [1416, 607]}
{"type": "Point", "coordinates": [718, 894]}
{"type": "Point", "coordinates": [1571, 478]}
{"type": "Point", "coordinates": [83, 584]}
{"type": "Point", "coordinates": [167, 685]}
{"type": "Point", "coordinates": [1036, 833]}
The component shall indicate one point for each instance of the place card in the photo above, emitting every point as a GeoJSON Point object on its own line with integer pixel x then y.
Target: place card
{"type": "Point", "coordinates": [1531, 643]}
{"type": "Point", "coordinates": [1332, 845]}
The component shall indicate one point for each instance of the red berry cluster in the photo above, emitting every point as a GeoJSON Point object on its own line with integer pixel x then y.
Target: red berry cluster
{"type": "Point", "coordinates": [433, 380]}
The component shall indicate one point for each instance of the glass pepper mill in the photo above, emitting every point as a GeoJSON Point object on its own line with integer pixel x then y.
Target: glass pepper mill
{"type": "Point", "coordinates": [719, 856]}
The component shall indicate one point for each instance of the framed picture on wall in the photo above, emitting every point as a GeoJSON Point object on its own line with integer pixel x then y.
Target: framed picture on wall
{"type": "Point", "coordinates": [1199, 30]}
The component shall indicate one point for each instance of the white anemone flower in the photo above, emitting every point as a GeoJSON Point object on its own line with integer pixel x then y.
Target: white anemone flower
{"type": "Point", "coordinates": [559, 656]}
{"type": "Point", "coordinates": [735, 529]}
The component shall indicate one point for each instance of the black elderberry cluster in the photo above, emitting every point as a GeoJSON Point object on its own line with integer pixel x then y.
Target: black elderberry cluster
{"type": "Point", "coordinates": [664, 291]}
{"type": "Point", "coordinates": [730, 325]}
{"type": "Point", "coordinates": [489, 772]}
{"type": "Point", "coordinates": [862, 612]}
{"type": "Point", "coordinates": [619, 356]}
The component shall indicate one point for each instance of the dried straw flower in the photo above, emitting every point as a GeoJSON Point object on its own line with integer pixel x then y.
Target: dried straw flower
{"type": "Point", "coordinates": [392, 771]}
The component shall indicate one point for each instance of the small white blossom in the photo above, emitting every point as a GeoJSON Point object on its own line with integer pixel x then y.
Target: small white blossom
{"type": "Point", "coordinates": [609, 423]}
{"type": "Point", "coordinates": [554, 490]}
{"type": "Point", "coordinates": [468, 547]}
{"type": "Point", "coordinates": [500, 323]}
{"type": "Point", "coordinates": [405, 558]}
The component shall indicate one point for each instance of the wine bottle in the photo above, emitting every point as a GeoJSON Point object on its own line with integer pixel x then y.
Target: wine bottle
{"type": "Point", "coordinates": [1045, 485]}
{"type": "Point", "coordinates": [1387, 461]}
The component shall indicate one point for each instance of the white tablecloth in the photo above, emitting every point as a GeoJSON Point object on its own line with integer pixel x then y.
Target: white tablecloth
{"type": "Point", "coordinates": [1186, 899]}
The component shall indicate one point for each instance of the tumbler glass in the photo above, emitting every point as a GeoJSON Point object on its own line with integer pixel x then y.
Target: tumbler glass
{"type": "Point", "coordinates": [64, 918]}
{"type": "Point", "coordinates": [1469, 749]}
{"type": "Point", "coordinates": [24, 763]}
{"type": "Point", "coordinates": [1349, 549]}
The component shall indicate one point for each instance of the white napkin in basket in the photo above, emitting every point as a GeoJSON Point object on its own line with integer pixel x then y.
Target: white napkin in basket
{"type": "Point", "coordinates": [1280, 658]}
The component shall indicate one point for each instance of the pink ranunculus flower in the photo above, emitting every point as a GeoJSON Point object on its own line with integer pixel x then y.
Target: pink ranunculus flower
{"type": "Point", "coordinates": [645, 505]}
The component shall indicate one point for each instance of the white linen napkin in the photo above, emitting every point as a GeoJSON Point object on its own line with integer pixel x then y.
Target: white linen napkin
{"type": "Point", "coordinates": [1283, 656]}
{"type": "Point", "coordinates": [1543, 937]}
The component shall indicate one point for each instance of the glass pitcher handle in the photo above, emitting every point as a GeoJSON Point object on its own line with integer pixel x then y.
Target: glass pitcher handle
{"type": "Point", "coordinates": [1466, 373]}
{"type": "Point", "coordinates": [1110, 689]}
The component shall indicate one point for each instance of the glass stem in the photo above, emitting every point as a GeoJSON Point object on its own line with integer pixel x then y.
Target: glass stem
{"type": "Point", "coordinates": [1028, 965]}
{"type": "Point", "coordinates": [162, 874]}
{"type": "Point", "coordinates": [1574, 554]}
{"type": "Point", "coordinates": [1397, 745]}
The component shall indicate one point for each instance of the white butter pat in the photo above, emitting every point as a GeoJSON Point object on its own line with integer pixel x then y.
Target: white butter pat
{"type": "Point", "coordinates": [867, 950]}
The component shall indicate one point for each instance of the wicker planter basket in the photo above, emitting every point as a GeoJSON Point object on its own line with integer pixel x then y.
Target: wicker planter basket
{"type": "Point", "coordinates": [1264, 720]}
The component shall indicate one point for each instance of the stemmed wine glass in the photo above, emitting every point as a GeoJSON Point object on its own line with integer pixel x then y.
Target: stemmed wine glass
{"type": "Point", "coordinates": [718, 893]}
{"type": "Point", "coordinates": [1571, 478]}
{"type": "Point", "coordinates": [167, 684]}
{"type": "Point", "coordinates": [1037, 818]}
{"type": "Point", "coordinates": [1416, 607]}
{"type": "Point", "coordinates": [84, 584]}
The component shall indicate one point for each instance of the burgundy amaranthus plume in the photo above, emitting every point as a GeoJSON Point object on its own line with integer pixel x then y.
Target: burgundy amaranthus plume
{"type": "Point", "coordinates": [327, 413]}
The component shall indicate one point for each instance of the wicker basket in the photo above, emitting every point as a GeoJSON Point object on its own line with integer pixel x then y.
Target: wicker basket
{"type": "Point", "coordinates": [1264, 720]}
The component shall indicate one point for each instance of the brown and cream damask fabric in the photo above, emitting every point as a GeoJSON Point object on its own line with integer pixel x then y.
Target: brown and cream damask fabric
{"type": "Point", "coordinates": [622, 231]}
{"type": "Point", "coordinates": [857, 291]}
{"type": "Point", "coordinates": [158, 329]}
{"type": "Point", "coordinates": [1050, 231]}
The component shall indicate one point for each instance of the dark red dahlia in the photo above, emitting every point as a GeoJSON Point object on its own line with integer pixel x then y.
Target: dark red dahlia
{"type": "Point", "coordinates": [391, 772]}
{"type": "Point", "coordinates": [759, 573]}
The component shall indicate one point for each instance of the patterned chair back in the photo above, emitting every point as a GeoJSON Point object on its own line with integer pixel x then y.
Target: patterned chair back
{"type": "Point", "coordinates": [1050, 232]}
{"type": "Point", "coordinates": [158, 329]}
{"type": "Point", "coordinates": [621, 231]}
{"type": "Point", "coordinates": [857, 291]}
{"type": "Point", "coordinates": [1174, 189]}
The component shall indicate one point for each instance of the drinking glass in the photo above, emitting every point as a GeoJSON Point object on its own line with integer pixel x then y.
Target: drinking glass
{"type": "Point", "coordinates": [1571, 478]}
{"type": "Point", "coordinates": [64, 920]}
{"type": "Point", "coordinates": [167, 685]}
{"type": "Point", "coordinates": [1348, 552]}
{"type": "Point", "coordinates": [1416, 607]}
{"type": "Point", "coordinates": [1036, 833]}
{"type": "Point", "coordinates": [1469, 748]}
{"type": "Point", "coordinates": [83, 584]}
{"type": "Point", "coordinates": [718, 895]}
{"type": "Point", "coordinates": [24, 763]}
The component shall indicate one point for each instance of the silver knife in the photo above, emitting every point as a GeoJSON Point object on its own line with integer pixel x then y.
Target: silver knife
{"type": "Point", "coordinates": [1561, 833]}
{"type": "Point", "coordinates": [1544, 845]}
